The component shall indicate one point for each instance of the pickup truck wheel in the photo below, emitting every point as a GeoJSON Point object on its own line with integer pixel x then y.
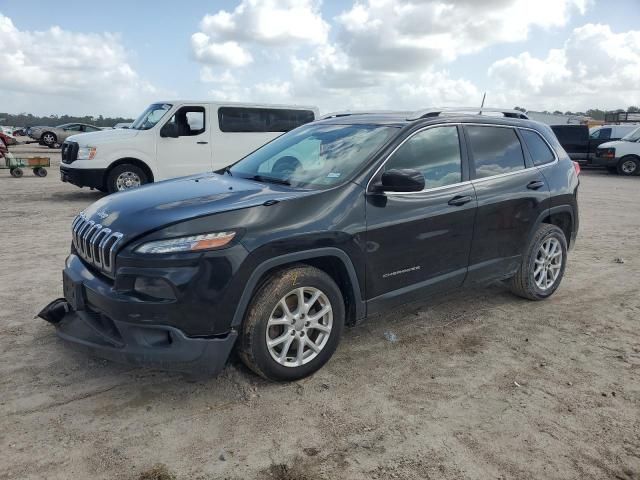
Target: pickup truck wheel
{"type": "Point", "coordinates": [293, 324]}
{"type": "Point", "coordinates": [124, 177]}
{"type": "Point", "coordinates": [543, 264]}
{"type": "Point", "coordinates": [628, 166]}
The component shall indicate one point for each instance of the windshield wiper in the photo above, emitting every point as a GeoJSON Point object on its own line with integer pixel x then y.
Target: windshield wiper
{"type": "Point", "coordinates": [262, 178]}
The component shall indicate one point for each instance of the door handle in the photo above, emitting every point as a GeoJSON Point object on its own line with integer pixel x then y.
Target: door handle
{"type": "Point", "coordinates": [202, 143]}
{"type": "Point", "coordinates": [459, 200]}
{"type": "Point", "coordinates": [535, 185]}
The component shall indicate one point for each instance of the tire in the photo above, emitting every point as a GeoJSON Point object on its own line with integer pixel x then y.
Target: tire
{"type": "Point", "coordinates": [40, 172]}
{"type": "Point", "coordinates": [628, 166]}
{"type": "Point", "coordinates": [527, 281]}
{"type": "Point", "coordinates": [124, 174]}
{"type": "Point", "coordinates": [49, 139]}
{"type": "Point", "coordinates": [16, 172]}
{"type": "Point", "coordinates": [266, 306]}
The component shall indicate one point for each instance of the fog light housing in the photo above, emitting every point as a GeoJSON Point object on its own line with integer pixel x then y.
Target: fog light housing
{"type": "Point", "coordinates": [154, 287]}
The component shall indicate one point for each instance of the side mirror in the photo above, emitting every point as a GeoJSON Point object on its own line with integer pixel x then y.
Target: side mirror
{"type": "Point", "coordinates": [169, 130]}
{"type": "Point", "coordinates": [401, 180]}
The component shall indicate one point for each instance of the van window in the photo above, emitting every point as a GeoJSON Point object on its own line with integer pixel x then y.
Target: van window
{"type": "Point", "coordinates": [435, 153]}
{"type": "Point", "coordinates": [189, 121]}
{"type": "Point", "coordinates": [496, 150]}
{"type": "Point", "coordinates": [601, 134]}
{"type": "Point", "coordinates": [244, 119]}
{"type": "Point", "coordinates": [538, 148]}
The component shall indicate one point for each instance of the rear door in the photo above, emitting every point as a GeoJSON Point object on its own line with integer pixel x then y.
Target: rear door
{"type": "Point", "coordinates": [511, 194]}
{"type": "Point", "coordinates": [190, 152]}
{"type": "Point", "coordinates": [419, 242]}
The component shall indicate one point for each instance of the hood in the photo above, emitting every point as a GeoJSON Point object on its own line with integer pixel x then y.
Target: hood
{"type": "Point", "coordinates": [612, 144]}
{"type": "Point", "coordinates": [157, 205]}
{"type": "Point", "coordinates": [103, 136]}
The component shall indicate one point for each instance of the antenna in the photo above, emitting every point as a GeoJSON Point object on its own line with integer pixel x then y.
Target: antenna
{"type": "Point", "coordinates": [484, 95]}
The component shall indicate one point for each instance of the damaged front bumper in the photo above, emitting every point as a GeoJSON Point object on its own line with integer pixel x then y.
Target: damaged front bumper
{"type": "Point", "coordinates": [86, 326]}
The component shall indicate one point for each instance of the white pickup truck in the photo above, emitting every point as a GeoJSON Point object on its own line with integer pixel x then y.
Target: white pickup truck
{"type": "Point", "coordinates": [621, 156]}
{"type": "Point", "coordinates": [173, 139]}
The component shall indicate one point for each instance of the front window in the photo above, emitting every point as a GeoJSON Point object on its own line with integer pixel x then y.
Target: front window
{"type": "Point", "coordinates": [151, 116]}
{"type": "Point", "coordinates": [315, 155]}
{"type": "Point", "coordinates": [633, 136]}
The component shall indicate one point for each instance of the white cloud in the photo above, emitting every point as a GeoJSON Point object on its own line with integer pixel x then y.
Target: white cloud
{"type": "Point", "coordinates": [595, 68]}
{"type": "Point", "coordinates": [61, 71]}
{"type": "Point", "coordinates": [225, 37]}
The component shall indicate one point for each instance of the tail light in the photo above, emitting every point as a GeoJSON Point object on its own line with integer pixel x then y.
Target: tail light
{"type": "Point", "coordinates": [576, 166]}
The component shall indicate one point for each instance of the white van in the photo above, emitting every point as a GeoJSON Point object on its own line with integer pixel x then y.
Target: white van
{"type": "Point", "coordinates": [173, 139]}
{"type": "Point", "coordinates": [610, 132]}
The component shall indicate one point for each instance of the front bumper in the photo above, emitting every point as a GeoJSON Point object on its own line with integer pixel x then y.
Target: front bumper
{"type": "Point", "coordinates": [83, 177]}
{"type": "Point", "coordinates": [121, 327]}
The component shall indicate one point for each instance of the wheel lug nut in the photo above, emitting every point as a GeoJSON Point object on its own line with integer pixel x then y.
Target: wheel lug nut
{"type": "Point", "coordinates": [302, 334]}
{"type": "Point", "coordinates": [306, 324]}
{"type": "Point", "coordinates": [293, 332]}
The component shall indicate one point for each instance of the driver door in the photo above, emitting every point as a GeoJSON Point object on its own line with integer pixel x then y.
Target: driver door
{"type": "Point", "coordinates": [190, 152]}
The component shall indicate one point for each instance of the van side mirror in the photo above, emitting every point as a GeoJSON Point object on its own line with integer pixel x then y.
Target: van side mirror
{"type": "Point", "coordinates": [169, 130]}
{"type": "Point", "coordinates": [400, 180]}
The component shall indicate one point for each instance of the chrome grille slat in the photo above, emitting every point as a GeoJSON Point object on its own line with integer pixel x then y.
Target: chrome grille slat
{"type": "Point", "coordinates": [95, 244]}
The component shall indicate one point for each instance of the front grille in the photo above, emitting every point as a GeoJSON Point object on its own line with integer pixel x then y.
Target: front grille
{"type": "Point", "coordinates": [69, 152]}
{"type": "Point", "coordinates": [95, 244]}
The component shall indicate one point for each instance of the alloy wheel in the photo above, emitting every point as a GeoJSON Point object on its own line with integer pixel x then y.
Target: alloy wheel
{"type": "Point", "coordinates": [548, 263]}
{"type": "Point", "coordinates": [299, 326]}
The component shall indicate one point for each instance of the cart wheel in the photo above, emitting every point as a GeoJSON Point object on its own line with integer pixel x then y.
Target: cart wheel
{"type": "Point", "coordinates": [17, 172]}
{"type": "Point", "coordinates": [40, 172]}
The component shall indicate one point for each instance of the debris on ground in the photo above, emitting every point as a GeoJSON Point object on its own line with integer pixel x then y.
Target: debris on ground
{"type": "Point", "coordinates": [618, 260]}
{"type": "Point", "coordinates": [157, 472]}
{"type": "Point", "coordinates": [390, 336]}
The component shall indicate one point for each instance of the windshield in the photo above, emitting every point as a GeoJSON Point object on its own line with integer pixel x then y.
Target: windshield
{"type": "Point", "coordinates": [151, 116]}
{"type": "Point", "coordinates": [316, 155]}
{"type": "Point", "coordinates": [634, 136]}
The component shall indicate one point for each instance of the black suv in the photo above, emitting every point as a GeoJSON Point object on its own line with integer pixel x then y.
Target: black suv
{"type": "Point", "coordinates": [318, 229]}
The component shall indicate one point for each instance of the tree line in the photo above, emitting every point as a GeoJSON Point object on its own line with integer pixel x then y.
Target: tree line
{"type": "Point", "coordinates": [594, 113]}
{"type": "Point", "coordinates": [29, 120]}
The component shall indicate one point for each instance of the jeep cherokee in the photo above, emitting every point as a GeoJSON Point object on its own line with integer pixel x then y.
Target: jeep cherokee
{"type": "Point", "coordinates": [321, 227]}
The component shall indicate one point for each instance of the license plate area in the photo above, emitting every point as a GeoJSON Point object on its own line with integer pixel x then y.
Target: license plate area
{"type": "Point", "coordinates": [73, 292]}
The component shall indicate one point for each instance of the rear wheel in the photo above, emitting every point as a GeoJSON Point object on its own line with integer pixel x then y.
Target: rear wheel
{"type": "Point", "coordinates": [40, 172]}
{"type": "Point", "coordinates": [543, 264]}
{"type": "Point", "coordinates": [124, 177]}
{"type": "Point", "coordinates": [16, 172]}
{"type": "Point", "coordinates": [628, 166]}
{"type": "Point", "coordinates": [293, 324]}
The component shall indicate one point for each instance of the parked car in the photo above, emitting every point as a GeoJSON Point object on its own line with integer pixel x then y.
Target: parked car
{"type": "Point", "coordinates": [581, 143]}
{"type": "Point", "coordinates": [19, 132]}
{"type": "Point", "coordinates": [174, 139]}
{"type": "Point", "coordinates": [53, 137]}
{"type": "Point", "coordinates": [621, 156]}
{"type": "Point", "coordinates": [329, 223]}
{"type": "Point", "coordinates": [123, 125]}
{"type": "Point", "coordinates": [8, 139]}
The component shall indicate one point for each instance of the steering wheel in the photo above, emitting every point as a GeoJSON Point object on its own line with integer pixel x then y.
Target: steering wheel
{"type": "Point", "coordinates": [287, 164]}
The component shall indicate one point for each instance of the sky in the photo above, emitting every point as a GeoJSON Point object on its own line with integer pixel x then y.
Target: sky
{"type": "Point", "coordinates": [114, 57]}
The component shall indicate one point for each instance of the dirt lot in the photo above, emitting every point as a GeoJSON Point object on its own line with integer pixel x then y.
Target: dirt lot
{"type": "Point", "coordinates": [479, 385]}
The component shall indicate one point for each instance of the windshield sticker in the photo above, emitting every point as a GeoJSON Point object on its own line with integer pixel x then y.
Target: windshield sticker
{"type": "Point", "coordinates": [334, 175]}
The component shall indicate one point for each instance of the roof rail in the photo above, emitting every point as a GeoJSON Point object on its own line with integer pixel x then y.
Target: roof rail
{"type": "Point", "coordinates": [436, 112]}
{"type": "Point", "coordinates": [347, 113]}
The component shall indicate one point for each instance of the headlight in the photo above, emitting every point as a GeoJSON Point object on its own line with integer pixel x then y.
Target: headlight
{"type": "Point", "coordinates": [87, 153]}
{"type": "Point", "coordinates": [193, 243]}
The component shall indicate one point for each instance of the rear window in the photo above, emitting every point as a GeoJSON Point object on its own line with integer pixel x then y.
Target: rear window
{"type": "Point", "coordinates": [243, 119]}
{"type": "Point", "coordinates": [496, 150]}
{"type": "Point", "coordinates": [538, 148]}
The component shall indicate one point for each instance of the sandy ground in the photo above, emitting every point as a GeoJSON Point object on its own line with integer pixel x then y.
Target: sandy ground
{"type": "Point", "coordinates": [479, 385]}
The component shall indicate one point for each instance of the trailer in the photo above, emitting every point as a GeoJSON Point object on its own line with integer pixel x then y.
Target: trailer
{"type": "Point", "coordinates": [16, 165]}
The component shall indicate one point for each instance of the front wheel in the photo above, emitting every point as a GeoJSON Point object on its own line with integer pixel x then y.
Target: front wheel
{"type": "Point", "coordinates": [628, 166]}
{"type": "Point", "coordinates": [293, 324]}
{"type": "Point", "coordinates": [124, 177]}
{"type": "Point", "coordinates": [49, 139]}
{"type": "Point", "coordinates": [543, 264]}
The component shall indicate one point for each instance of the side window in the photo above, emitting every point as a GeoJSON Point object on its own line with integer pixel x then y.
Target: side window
{"type": "Point", "coordinates": [89, 128]}
{"type": "Point", "coordinates": [605, 134]}
{"type": "Point", "coordinates": [539, 150]}
{"type": "Point", "coordinates": [245, 119]}
{"type": "Point", "coordinates": [435, 152]}
{"type": "Point", "coordinates": [74, 128]}
{"type": "Point", "coordinates": [189, 121]}
{"type": "Point", "coordinates": [496, 150]}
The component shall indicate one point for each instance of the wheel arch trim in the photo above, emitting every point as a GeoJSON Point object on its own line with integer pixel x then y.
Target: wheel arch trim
{"type": "Point", "coordinates": [290, 258]}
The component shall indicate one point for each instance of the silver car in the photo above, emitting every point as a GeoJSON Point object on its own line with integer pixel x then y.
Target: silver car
{"type": "Point", "coordinates": [53, 137]}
